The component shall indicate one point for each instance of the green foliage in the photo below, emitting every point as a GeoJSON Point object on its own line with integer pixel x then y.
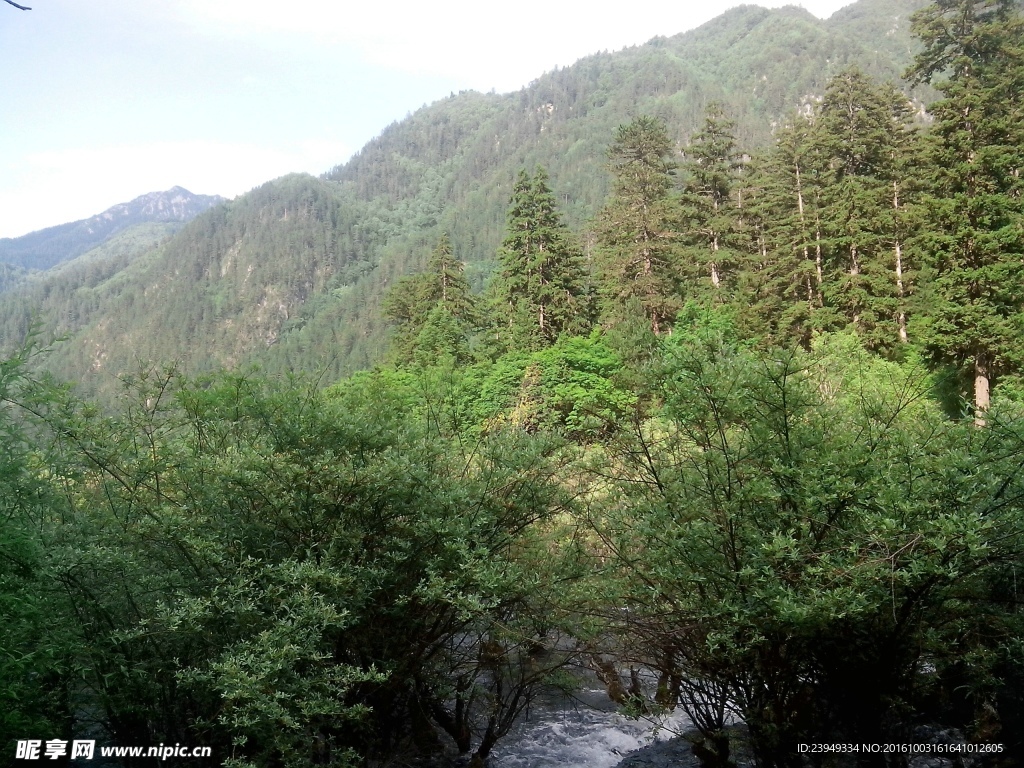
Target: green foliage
{"type": "Point", "coordinates": [442, 337]}
{"type": "Point", "coordinates": [229, 553]}
{"type": "Point", "coordinates": [710, 208]}
{"type": "Point", "coordinates": [796, 536]}
{"type": "Point", "coordinates": [830, 213]}
{"type": "Point", "coordinates": [34, 639]}
{"type": "Point", "coordinates": [571, 387]}
{"type": "Point", "coordinates": [703, 325]}
{"type": "Point", "coordinates": [784, 259]}
{"type": "Point", "coordinates": [973, 182]}
{"type": "Point", "coordinates": [637, 259]}
{"type": "Point", "coordinates": [541, 289]}
{"type": "Point", "coordinates": [434, 310]}
{"type": "Point", "coordinates": [866, 144]}
{"type": "Point", "coordinates": [283, 694]}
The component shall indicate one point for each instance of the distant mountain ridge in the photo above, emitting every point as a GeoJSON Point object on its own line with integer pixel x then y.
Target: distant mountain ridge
{"type": "Point", "coordinates": [48, 247]}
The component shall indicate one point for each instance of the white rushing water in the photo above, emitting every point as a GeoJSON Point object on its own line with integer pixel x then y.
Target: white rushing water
{"type": "Point", "coordinates": [583, 733]}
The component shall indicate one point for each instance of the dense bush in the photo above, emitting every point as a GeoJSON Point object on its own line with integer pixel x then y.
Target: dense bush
{"type": "Point", "coordinates": [805, 542]}
{"type": "Point", "coordinates": [290, 579]}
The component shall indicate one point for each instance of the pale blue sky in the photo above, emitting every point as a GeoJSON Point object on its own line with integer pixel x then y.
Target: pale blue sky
{"type": "Point", "coordinates": [105, 100]}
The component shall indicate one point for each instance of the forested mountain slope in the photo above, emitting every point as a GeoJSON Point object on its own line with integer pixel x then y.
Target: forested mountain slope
{"type": "Point", "coordinates": [292, 275]}
{"type": "Point", "coordinates": [61, 297]}
{"type": "Point", "coordinates": [225, 285]}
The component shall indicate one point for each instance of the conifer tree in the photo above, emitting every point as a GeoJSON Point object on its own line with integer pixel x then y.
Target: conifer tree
{"type": "Point", "coordinates": [903, 195]}
{"type": "Point", "coordinates": [448, 284]}
{"type": "Point", "coordinates": [541, 287]}
{"type": "Point", "coordinates": [635, 229]}
{"type": "Point", "coordinates": [863, 135]}
{"type": "Point", "coordinates": [975, 243]}
{"type": "Point", "coordinates": [784, 273]}
{"type": "Point", "coordinates": [411, 304]}
{"type": "Point", "coordinates": [830, 213]}
{"type": "Point", "coordinates": [710, 209]}
{"type": "Point", "coordinates": [443, 335]}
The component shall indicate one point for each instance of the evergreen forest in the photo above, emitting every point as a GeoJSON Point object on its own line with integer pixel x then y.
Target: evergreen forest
{"type": "Point", "coordinates": [736, 428]}
{"type": "Point", "coordinates": [293, 275]}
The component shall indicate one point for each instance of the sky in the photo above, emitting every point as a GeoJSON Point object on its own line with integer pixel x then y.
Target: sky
{"type": "Point", "coordinates": [105, 100]}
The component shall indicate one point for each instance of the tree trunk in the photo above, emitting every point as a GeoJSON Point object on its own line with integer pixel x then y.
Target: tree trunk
{"type": "Point", "coordinates": [901, 315]}
{"type": "Point", "coordinates": [803, 226]}
{"type": "Point", "coordinates": [817, 258]}
{"type": "Point", "coordinates": [715, 279]}
{"type": "Point", "coordinates": [609, 675]}
{"type": "Point", "coordinates": [981, 388]}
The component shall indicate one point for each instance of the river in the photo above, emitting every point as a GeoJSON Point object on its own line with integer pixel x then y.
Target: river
{"type": "Point", "coordinates": [582, 731]}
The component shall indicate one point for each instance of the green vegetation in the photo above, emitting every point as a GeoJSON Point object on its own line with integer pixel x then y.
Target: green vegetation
{"type": "Point", "coordinates": [434, 310]}
{"type": "Point", "coordinates": [325, 254]}
{"type": "Point", "coordinates": [749, 443]}
{"type": "Point", "coordinates": [973, 190]}
{"type": "Point", "coordinates": [710, 225]}
{"type": "Point", "coordinates": [796, 535]}
{"type": "Point", "coordinates": [322, 572]}
{"type": "Point", "coordinates": [637, 273]}
{"type": "Point", "coordinates": [540, 290]}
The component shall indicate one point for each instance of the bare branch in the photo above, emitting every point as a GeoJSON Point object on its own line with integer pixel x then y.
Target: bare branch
{"type": "Point", "coordinates": [19, 7]}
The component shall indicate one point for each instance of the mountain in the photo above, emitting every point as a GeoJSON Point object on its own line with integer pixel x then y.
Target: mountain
{"type": "Point", "coordinates": [292, 274]}
{"type": "Point", "coordinates": [53, 245]}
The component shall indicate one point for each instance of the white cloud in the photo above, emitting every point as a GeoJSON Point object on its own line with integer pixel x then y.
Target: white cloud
{"type": "Point", "coordinates": [501, 46]}
{"type": "Point", "coordinates": [53, 187]}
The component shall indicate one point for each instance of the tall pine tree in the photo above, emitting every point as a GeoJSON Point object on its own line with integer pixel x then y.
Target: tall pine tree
{"type": "Point", "coordinates": [710, 210]}
{"type": "Point", "coordinates": [439, 296]}
{"type": "Point", "coordinates": [972, 52]}
{"type": "Point", "coordinates": [828, 206]}
{"type": "Point", "coordinates": [541, 290]}
{"type": "Point", "coordinates": [784, 274]}
{"type": "Point", "coordinates": [635, 230]}
{"type": "Point", "coordinates": [863, 133]}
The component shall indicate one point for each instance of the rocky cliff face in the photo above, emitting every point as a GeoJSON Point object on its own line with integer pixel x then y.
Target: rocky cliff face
{"type": "Point", "coordinates": [176, 204]}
